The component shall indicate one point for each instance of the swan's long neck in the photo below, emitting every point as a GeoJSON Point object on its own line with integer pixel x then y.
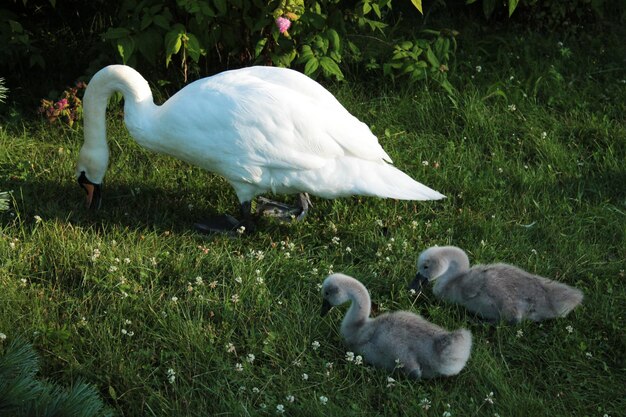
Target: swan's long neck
{"type": "Point", "coordinates": [457, 263]}
{"type": "Point", "coordinates": [359, 310]}
{"type": "Point", "coordinates": [94, 154]}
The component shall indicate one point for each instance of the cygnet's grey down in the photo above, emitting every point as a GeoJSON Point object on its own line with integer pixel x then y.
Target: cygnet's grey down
{"type": "Point", "coordinates": [395, 340]}
{"type": "Point", "coordinates": [495, 292]}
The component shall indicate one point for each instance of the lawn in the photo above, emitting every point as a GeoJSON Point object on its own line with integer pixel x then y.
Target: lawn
{"type": "Point", "coordinates": [531, 154]}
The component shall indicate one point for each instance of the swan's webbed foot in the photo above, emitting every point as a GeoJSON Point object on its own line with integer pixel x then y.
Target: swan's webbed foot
{"type": "Point", "coordinates": [227, 224]}
{"type": "Point", "coordinates": [284, 212]}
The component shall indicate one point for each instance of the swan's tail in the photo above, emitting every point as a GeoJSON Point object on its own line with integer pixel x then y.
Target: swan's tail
{"type": "Point", "coordinates": [563, 297]}
{"type": "Point", "coordinates": [385, 180]}
{"type": "Point", "coordinates": [454, 350]}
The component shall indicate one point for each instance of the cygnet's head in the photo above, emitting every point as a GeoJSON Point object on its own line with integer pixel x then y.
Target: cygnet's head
{"type": "Point", "coordinates": [335, 291]}
{"type": "Point", "coordinates": [431, 264]}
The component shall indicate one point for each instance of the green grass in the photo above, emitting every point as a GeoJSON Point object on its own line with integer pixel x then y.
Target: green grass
{"type": "Point", "coordinates": [540, 185]}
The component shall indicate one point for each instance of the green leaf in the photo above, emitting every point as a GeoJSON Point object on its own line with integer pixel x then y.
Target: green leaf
{"type": "Point", "coordinates": [418, 5]}
{"type": "Point", "coordinates": [222, 6]}
{"type": "Point", "coordinates": [116, 33]}
{"type": "Point", "coordinates": [330, 67]}
{"type": "Point", "coordinates": [193, 47]}
{"type": "Point", "coordinates": [432, 59]}
{"type": "Point", "coordinates": [173, 42]}
{"type": "Point", "coordinates": [311, 66]}
{"type": "Point", "coordinates": [259, 47]}
{"type": "Point", "coordinates": [161, 21]}
{"type": "Point", "coordinates": [333, 37]}
{"type": "Point", "coordinates": [112, 393]}
{"type": "Point", "coordinates": [488, 7]}
{"type": "Point", "coordinates": [125, 47]}
{"type": "Point", "coordinates": [512, 6]}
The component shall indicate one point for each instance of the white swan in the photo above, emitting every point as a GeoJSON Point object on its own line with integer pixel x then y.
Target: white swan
{"type": "Point", "coordinates": [395, 340]}
{"type": "Point", "coordinates": [261, 128]}
{"type": "Point", "coordinates": [495, 292]}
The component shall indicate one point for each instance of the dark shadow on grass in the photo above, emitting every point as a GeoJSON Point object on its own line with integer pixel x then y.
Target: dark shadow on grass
{"type": "Point", "coordinates": [150, 208]}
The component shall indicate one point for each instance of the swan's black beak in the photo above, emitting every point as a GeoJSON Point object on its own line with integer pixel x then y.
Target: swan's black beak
{"type": "Point", "coordinates": [418, 282]}
{"type": "Point", "coordinates": [325, 307]}
{"type": "Point", "coordinates": [94, 192]}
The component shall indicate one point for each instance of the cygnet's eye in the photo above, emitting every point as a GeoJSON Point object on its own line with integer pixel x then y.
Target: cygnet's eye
{"type": "Point", "coordinates": [425, 266]}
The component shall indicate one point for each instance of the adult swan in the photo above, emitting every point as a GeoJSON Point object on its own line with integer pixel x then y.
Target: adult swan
{"type": "Point", "coordinates": [261, 128]}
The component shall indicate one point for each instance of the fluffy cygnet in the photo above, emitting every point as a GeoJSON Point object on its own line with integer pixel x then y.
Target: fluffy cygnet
{"type": "Point", "coordinates": [495, 292]}
{"type": "Point", "coordinates": [395, 340]}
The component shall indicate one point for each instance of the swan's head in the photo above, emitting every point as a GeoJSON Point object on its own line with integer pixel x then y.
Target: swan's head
{"type": "Point", "coordinates": [92, 164]}
{"type": "Point", "coordinates": [336, 291]}
{"type": "Point", "coordinates": [431, 264]}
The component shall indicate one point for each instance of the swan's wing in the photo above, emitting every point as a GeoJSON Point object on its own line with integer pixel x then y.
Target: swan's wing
{"type": "Point", "coordinates": [292, 116]}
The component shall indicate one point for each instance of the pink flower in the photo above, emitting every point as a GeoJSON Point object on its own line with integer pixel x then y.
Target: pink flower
{"type": "Point", "coordinates": [283, 24]}
{"type": "Point", "coordinates": [61, 104]}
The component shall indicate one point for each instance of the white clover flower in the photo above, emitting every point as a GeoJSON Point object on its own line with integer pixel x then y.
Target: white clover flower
{"type": "Point", "coordinates": [234, 298]}
{"type": "Point", "coordinates": [512, 107]}
{"type": "Point", "coordinates": [569, 329]}
{"type": "Point", "coordinates": [335, 240]}
{"type": "Point", "coordinates": [153, 261]}
{"type": "Point", "coordinates": [3, 337]}
{"type": "Point", "coordinates": [519, 333]}
{"type": "Point", "coordinates": [323, 399]}
{"type": "Point", "coordinates": [171, 375]}
{"type": "Point", "coordinates": [238, 367]}
{"type": "Point", "coordinates": [230, 348]}
{"type": "Point", "coordinates": [315, 345]}
{"type": "Point", "coordinates": [124, 332]}
{"type": "Point", "coordinates": [425, 163]}
{"type": "Point", "coordinates": [348, 249]}
{"type": "Point", "coordinates": [260, 280]}
{"type": "Point", "coordinates": [379, 223]}
{"type": "Point", "coordinates": [489, 398]}
{"type": "Point", "coordinates": [446, 414]}
{"type": "Point", "coordinates": [199, 280]}
{"type": "Point", "coordinates": [126, 322]}
{"type": "Point", "coordinates": [174, 299]}
{"type": "Point", "coordinates": [241, 230]}
{"type": "Point", "coordinates": [255, 390]}
{"type": "Point", "coordinates": [399, 364]}
{"type": "Point", "coordinates": [412, 292]}
{"type": "Point", "coordinates": [38, 219]}
{"type": "Point", "coordinates": [350, 356]}
{"type": "Point", "coordinates": [391, 382]}
{"type": "Point", "coordinates": [250, 358]}
{"type": "Point", "coordinates": [425, 404]}
{"type": "Point", "coordinates": [328, 365]}
{"type": "Point", "coordinates": [238, 280]}
{"type": "Point", "coordinates": [314, 271]}
{"type": "Point", "coordinates": [112, 268]}
{"type": "Point", "coordinates": [544, 135]}
{"type": "Point", "coordinates": [479, 68]}
{"type": "Point", "coordinates": [305, 377]}
{"type": "Point", "coordinates": [280, 408]}
{"type": "Point", "coordinates": [358, 360]}
{"type": "Point", "coordinates": [290, 398]}
{"type": "Point", "coordinates": [24, 282]}
{"type": "Point", "coordinates": [588, 355]}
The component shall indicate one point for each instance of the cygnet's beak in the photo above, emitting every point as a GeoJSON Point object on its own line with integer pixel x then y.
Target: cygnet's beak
{"type": "Point", "coordinates": [418, 282]}
{"type": "Point", "coordinates": [94, 192]}
{"type": "Point", "coordinates": [326, 306]}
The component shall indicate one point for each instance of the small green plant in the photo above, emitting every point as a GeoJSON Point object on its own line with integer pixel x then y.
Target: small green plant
{"type": "Point", "coordinates": [21, 394]}
{"type": "Point", "coordinates": [5, 197]}
{"type": "Point", "coordinates": [68, 109]}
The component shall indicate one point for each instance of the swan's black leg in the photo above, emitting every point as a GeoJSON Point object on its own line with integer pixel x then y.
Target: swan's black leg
{"type": "Point", "coordinates": [225, 223]}
{"type": "Point", "coordinates": [282, 211]}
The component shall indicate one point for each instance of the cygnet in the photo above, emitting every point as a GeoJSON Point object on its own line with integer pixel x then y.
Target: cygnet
{"type": "Point", "coordinates": [395, 340]}
{"type": "Point", "coordinates": [495, 292]}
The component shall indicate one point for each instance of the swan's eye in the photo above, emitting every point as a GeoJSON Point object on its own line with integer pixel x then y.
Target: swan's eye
{"type": "Point", "coordinates": [425, 266]}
